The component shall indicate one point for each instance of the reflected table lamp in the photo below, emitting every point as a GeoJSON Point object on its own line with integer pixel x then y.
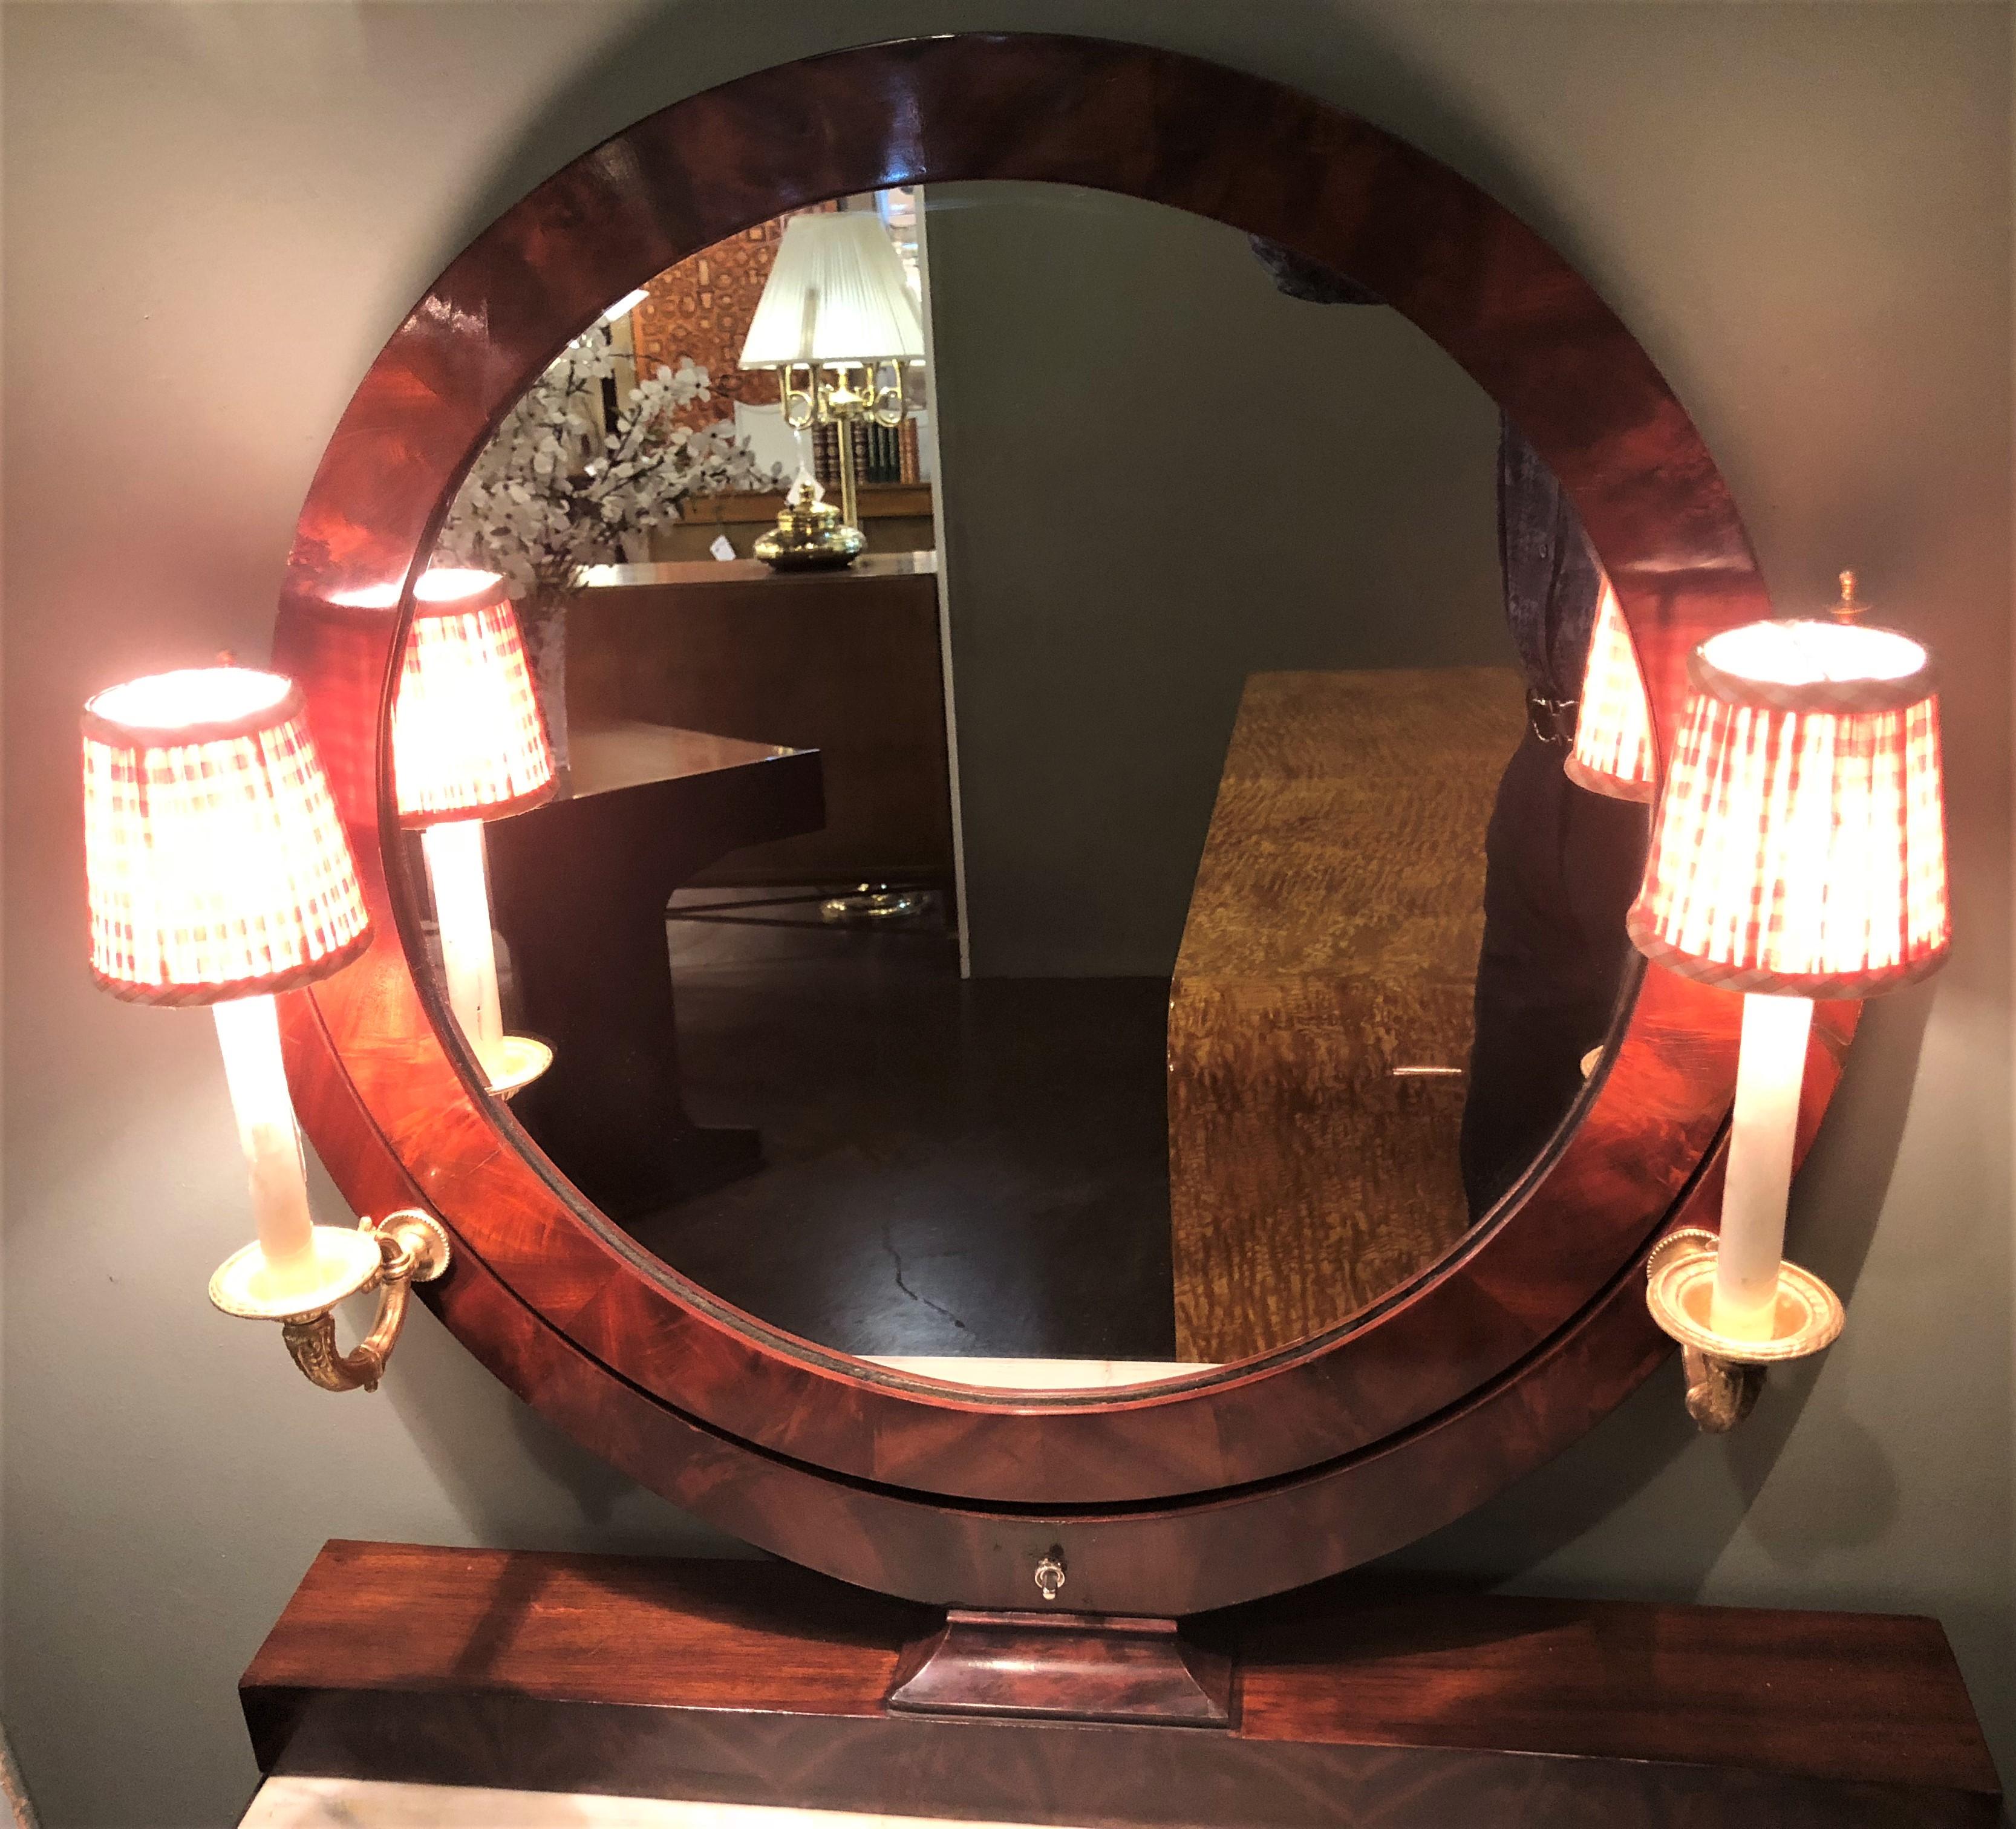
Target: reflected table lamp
{"type": "Point", "coordinates": [1798, 852]}
{"type": "Point", "coordinates": [468, 744]}
{"type": "Point", "coordinates": [837, 323]}
{"type": "Point", "coordinates": [217, 872]}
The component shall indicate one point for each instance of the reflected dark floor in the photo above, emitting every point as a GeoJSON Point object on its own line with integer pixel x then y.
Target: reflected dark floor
{"type": "Point", "coordinates": [960, 1167]}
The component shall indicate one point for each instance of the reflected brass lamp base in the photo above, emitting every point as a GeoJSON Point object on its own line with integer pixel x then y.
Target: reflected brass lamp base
{"type": "Point", "coordinates": [1725, 1374]}
{"type": "Point", "coordinates": [389, 1255]}
{"type": "Point", "coordinates": [810, 536]}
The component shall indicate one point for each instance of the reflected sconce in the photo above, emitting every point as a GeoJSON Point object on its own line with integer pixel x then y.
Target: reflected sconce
{"type": "Point", "coordinates": [1612, 753]}
{"type": "Point", "coordinates": [217, 872]}
{"type": "Point", "coordinates": [838, 324]}
{"type": "Point", "coordinates": [1799, 852]}
{"type": "Point", "coordinates": [468, 745]}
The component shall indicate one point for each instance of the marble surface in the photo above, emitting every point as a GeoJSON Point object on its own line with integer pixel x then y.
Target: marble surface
{"type": "Point", "coordinates": [357, 1803]}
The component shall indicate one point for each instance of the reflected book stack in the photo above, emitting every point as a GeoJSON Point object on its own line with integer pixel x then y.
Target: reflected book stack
{"type": "Point", "coordinates": [882, 454]}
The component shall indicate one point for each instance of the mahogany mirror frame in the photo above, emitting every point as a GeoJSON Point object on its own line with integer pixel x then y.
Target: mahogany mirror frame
{"type": "Point", "coordinates": [1224, 1485]}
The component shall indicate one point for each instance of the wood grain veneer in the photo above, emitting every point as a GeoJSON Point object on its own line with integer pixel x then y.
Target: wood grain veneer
{"type": "Point", "coordinates": [844, 662]}
{"type": "Point", "coordinates": [1360, 1703]}
{"type": "Point", "coordinates": [1332, 938]}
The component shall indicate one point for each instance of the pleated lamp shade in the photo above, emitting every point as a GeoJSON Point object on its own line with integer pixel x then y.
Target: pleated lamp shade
{"type": "Point", "coordinates": [468, 741]}
{"type": "Point", "coordinates": [215, 864]}
{"type": "Point", "coordinates": [1800, 843]}
{"type": "Point", "coordinates": [837, 294]}
{"type": "Point", "coordinates": [1612, 746]}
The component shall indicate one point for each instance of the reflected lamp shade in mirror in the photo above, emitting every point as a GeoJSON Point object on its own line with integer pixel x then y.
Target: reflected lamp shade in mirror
{"type": "Point", "coordinates": [468, 744]}
{"type": "Point", "coordinates": [1613, 747]}
{"type": "Point", "coordinates": [836, 294]}
{"type": "Point", "coordinates": [468, 741]}
{"type": "Point", "coordinates": [217, 872]}
{"type": "Point", "coordinates": [1799, 851]}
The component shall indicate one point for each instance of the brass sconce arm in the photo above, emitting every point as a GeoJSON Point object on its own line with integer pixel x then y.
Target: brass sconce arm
{"type": "Point", "coordinates": [412, 1247]}
{"type": "Point", "coordinates": [1724, 1375]}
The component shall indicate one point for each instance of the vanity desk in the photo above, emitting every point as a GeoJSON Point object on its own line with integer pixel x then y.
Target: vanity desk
{"type": "Point", "coordinates": [1360, 1700]}
{"type": "Point", "coordinates": [1017, 1595]}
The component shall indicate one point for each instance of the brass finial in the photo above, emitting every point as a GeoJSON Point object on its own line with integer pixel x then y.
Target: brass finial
{"type": "Point", "coordinates": [1850, 606]}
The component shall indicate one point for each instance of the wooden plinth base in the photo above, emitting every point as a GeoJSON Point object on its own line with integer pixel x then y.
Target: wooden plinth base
{"type": "Point", "coordinates": [1065, 1667]}
{"type": "Point", "coordinates": [1350, 1703]}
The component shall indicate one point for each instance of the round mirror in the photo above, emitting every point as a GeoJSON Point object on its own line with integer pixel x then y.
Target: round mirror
{"type": "Point", "coordinates": [997, 952]}
{"type": "Point", "coordinates": [1133, 916]}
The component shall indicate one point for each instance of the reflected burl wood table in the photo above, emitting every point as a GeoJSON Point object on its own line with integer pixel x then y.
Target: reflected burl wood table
{"type": "Point", "coordinates": [1320, 1014]}
{"type": "Point", "coordinates": [578, 890]}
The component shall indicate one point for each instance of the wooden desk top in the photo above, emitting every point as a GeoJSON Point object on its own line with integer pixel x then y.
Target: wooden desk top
{"type": "Point", "coordinates": [720, 571]}
{"type": "Point", "coordinates": [605, 757]}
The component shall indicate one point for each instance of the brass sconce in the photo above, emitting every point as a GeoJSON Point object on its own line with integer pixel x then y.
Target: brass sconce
{"type": "Point", "coordinates": [1799, 852]}
{"type": "Point", "coordinates": [218, 874]}
{"type": "Point", "coordinates": [1724, 1375]}
{"type": "Point", "coordinates": [412, 1247]}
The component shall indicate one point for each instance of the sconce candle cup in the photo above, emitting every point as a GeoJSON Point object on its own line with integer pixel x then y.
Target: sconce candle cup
{"type": "Point", "coordinates": [1799, 852]}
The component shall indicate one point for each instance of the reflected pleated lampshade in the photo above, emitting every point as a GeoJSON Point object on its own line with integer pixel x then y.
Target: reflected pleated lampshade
{"type": "Point", "coordinates": [468, 741]}
{"type": "Point", "coordinates": [835, 293]}
{"type": "Point", "coordinates": [1613, 747]}
{"type": "Point", "coordinates": [1800, 842]}
{"type": "Point", "coordinates": [215, 864]}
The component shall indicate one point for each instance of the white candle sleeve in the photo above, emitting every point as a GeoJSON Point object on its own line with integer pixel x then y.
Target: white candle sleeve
{"type": "Point", "coordinates": [456, 868]}
{"type": "Point", "coordinates": [248, 1030]}
{"type": "Point", "coordinates": [1761, 1136]}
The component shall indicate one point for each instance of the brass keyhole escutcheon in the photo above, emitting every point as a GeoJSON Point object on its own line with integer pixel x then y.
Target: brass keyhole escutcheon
{"type": "Point", "coordinates": [1050, 1575]}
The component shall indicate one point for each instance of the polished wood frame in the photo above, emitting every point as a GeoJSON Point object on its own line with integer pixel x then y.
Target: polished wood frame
{"type": "Point", "coordinates": [1226, 1485]}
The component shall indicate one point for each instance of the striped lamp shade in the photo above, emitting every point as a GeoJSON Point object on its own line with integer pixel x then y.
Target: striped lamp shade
{"type": "Point", "coordinates": [1800, 844]}
{"type": "Point", "coordinates": [1612, 746]}
{"type": "Point", "coordinates": [215, 864]}
{"type": "Point", "coordinates": [468, 742]}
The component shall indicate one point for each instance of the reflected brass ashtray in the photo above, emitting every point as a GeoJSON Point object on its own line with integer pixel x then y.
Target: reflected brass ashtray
{"type": "Point", "coordinates": [809, 536]}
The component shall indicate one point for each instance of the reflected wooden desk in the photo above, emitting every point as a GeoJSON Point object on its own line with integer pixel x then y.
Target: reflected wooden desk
{"type": "Point", "coordinates": [847, 663]}
{"type": "Point", "coordinates": [1331, 944]}
{"type": "Point", "coordinates": [578, 889]}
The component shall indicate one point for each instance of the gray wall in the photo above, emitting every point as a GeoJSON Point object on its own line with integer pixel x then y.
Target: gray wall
{"type": "Point", "coordinates": [1158, 475]}
{"type": "Point", "coordinates": [214, 215]}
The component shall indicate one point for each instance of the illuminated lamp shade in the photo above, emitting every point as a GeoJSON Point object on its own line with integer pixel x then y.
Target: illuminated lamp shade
{"type": "Point", "coordinates": [1613, 747]}
{"type": "Point", "coordinates": [215, 863]}
{"type": "Point", "coordinates": [1799, 851]}
{"type": "Point", "coordinates": [468, 744]}
{"type": "Point", "coordinates": [836, 294]}
{"type": "Point", "coordinates": [468, 741]}
{"type": "Point", "coordinates": [1800, 847]}
{"type": "Point", "coordinates": [217, 873]}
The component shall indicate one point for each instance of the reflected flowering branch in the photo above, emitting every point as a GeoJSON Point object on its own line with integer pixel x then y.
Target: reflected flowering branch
{"type": "Point", "coordinates": [556, 489]}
